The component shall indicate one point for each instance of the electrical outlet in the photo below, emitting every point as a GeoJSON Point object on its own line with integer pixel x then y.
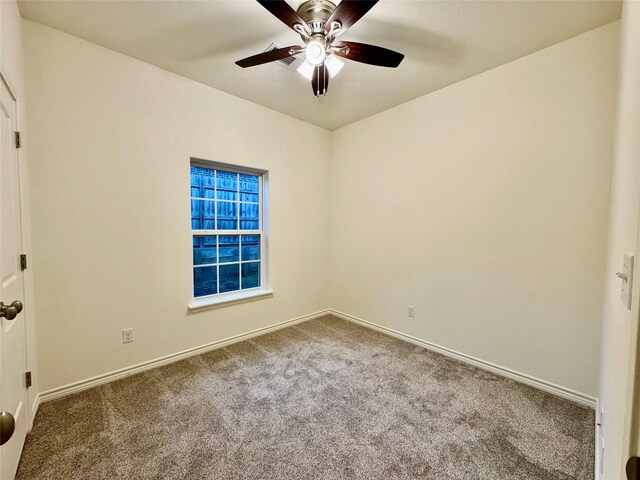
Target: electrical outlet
{"type": "Point", "coordinates": [127, 335]}
{"type": "Point", "coordinates": [412, 311]}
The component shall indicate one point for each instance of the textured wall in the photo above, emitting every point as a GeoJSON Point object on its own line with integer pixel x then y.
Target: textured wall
{"type": "Point", "coordinates": [111, 138]}
{"type": "Point", "coordinates": [485, 205]}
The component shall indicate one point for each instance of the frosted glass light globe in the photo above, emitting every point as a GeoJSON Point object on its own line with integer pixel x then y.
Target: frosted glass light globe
{"type": "Point", "coordinates": [315, 52]}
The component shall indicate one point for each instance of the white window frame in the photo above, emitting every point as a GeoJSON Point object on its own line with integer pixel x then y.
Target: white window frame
{"type": "Point", "coordinates": [236, 296]}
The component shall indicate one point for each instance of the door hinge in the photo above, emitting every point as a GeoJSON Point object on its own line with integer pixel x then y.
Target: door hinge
{"type": "Point", "coordinates": [18, 140]}
{"type": "Point", "coordinates": [27, 377]}
{"type": "Point", "coordinates": [23, 261]}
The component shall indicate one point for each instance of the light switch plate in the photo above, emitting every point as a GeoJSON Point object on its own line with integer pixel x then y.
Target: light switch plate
{"type": "Point", "coordinates": [627, 280]}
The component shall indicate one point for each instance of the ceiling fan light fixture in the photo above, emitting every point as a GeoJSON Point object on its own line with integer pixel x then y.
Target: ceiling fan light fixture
{"type": "Point", "coordinates": [306, 70]}
{"type": "Point", "coordinates": [334, 65]}
{"type": "Point", "coordinates": [319, 23]}
{"type": "Point", "coordinates": [316, 50]}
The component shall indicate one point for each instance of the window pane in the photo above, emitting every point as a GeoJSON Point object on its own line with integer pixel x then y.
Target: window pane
{"type": "Point", "coordinates": [249, 188]}
{"type": "Point", "coordinates": [250, 275]}
{"type": "Point", "coordinates": [250, 247]}
{"type": "Point", "coordinates": [227, 215]}
{"type": "Point", "coordinates": [231, 201]}
{"type": "Point", "coordinates": [227, 185]}
{"type": "Point", "coordinates": [204, 281]}
{"type": "Point", "coordinates": [202, 214]}
{"type": "Point", "coordinates": [229, 277]}
{"type": "Point", "coordinates": [249, 219]}
{"type": "Point", "coordinates": [229, 247]}
{"type": "Point", "coordinates": [204, 250]}
{"type": "Point", "coordinates": [202, 185]}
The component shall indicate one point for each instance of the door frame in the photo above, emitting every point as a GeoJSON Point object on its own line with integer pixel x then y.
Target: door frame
{"type": "Point", "coordinates": [33, 397]}
{"type": "Point", "coordinates": [631, 440]}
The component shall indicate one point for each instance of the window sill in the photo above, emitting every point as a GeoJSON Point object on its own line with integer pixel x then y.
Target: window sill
{"type": "Point", "coordinates": [227, 300]}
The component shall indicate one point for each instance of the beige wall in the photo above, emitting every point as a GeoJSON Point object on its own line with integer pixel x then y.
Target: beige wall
{"type": "Point", "coordinates": [12, 68]}
{"type": "Point", "coordinates": [111, 139]}
{"type": "Point", "coordinates": [620, 329]}
{"type": "Point", "coordinates": [485, 205]}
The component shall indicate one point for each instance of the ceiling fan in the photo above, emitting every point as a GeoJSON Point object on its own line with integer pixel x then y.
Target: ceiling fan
{"type": "Point", "coordinates": [319, 23]}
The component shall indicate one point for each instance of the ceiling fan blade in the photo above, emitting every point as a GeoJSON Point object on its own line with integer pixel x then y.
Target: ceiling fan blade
{"type": "Point", "coordinates": [365, 53]}
{"type": "Point", "coordinates": [320, 80]}
{"type": "Point", "coordinates": [285, 14]}
{"type": "Point", "coordinates": [349, 12]}
{"type": "Point", "coordinates": [270, 56]}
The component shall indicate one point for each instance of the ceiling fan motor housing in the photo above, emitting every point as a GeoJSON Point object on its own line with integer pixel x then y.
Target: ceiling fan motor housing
{"type": "Point", "coordinates": [316, 13]}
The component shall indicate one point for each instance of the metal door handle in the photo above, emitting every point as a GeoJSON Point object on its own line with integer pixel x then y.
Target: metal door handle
{"type": "Point", "coordinates": [623, 276]}
{"type": "Point", "coordinates": [10, 311]}
{"type": "Point", "coordinates": [7, 427]}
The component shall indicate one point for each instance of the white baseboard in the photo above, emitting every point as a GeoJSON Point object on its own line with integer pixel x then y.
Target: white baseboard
{"type": "Point", "coordinates": [549, 387]}
{"type": "Point", "coordinates": [141, 367]}
{"type": "Point", "coordinates": [158, 362]}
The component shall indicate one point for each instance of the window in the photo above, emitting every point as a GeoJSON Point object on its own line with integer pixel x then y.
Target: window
{"type": "Point", "coordinates": [227, 232]}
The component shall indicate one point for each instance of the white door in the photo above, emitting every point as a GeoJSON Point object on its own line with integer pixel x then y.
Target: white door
{"type": "Point", "coordinates": [13, 389]}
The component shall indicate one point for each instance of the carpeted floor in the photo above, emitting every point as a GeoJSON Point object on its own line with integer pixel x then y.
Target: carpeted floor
{"type": "Point", "coordinates": [325, 399]}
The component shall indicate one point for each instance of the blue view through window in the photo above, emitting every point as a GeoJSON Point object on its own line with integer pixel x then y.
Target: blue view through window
{"type": "Point", "coordinates": [205, 281]}
{"type": "Point", "coordinates": [250, 275]}
{"type": "Point", "coordinates": [225, 200]}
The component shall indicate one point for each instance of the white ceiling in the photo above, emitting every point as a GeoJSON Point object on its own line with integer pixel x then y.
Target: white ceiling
{"type": "Point", "coordinates": [443, 42]}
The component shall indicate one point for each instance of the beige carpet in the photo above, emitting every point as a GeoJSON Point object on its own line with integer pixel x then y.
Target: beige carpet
{"type": "Point", "coordinates": [325, 399]}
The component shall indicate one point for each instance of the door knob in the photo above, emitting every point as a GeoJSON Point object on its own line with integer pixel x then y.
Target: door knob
{"type": "Point", "coordinates": [632, 468]}
{"type": "Point", "coordinates": [10, 311]}
{"type": "Point", "coordinates": [7, 427]}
